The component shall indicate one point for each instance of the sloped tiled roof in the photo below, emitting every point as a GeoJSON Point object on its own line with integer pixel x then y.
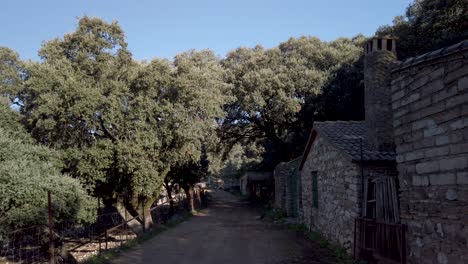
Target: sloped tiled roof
{"type": "Point", "coordinates": [346, 136]}
{"type": "Point", "coordinates": [410, 62]}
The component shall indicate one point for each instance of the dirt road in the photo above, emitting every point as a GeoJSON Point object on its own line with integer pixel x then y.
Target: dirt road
{"type": "Point", "coordinates": [227, 232]}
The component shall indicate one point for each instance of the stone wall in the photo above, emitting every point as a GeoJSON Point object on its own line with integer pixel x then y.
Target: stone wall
{"type": "Point", "coordinates": [284, 183]}
{"type": "Point", "coordinates": [281, 175]}
{"type": "Point", "coordinates": [378, 104]}
{"type": "Point", "coordinates": [339, 188]}
{"type": "Point", "coordinates": [430, 110]}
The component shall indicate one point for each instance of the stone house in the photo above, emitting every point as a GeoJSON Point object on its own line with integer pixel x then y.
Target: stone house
{"type": "Point", "coordinates": [256, 184]}
{"type": "Point", "coordinates": [348, 170]}
{"type": "Point", "coordinates": [337, 162]}
{"type": "Point", "coordinates": [287, 187]}
{"type": "Point", "coordinates": [395, 186]}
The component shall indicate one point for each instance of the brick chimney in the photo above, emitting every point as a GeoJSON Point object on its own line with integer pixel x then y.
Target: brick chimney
{"type": "Point", "coordinates": [380, 55]}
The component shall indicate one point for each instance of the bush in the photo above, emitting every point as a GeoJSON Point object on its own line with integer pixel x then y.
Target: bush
{"type": "Point", "coordinates": [274, 214]}
{"type": "Point", "coordinates": [27, 172]}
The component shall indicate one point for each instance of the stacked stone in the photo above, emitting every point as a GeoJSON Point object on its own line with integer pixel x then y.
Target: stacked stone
{"type": "Point", "coordinates": [338, 193]}
{"type": "Point", "coordinates": [378, 105]}
{"type": "Point", "coordinates": [283, 186]}
{"type": "Point", "coordinates": [280, 176]}
{"type": "Point", "coordinates": [430, 111]}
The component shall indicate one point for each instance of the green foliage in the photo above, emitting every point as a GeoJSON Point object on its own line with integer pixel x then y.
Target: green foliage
{"type": "Point", "coordinates": [238, 160]}
{"type": "Point", "coordinates": [338, 253]}
{"type": "Point", "coordinates": [122, 125]}
{"type": "Point", "coordinates": [10, 73]}
{"type": "Point", "coordinates": [274, 214]}
{"type": "Point", "coordinates": [108, 255]}
{"type": "Point", "coordinates": [428, 25]}
{"type": "Point", "coordinates": [276, 91]}
{"type": "Point", "coordinates": [27, 172]}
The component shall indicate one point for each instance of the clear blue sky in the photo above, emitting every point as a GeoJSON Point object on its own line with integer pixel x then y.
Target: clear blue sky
{"type": "Point", "coordinates": [157, 28]}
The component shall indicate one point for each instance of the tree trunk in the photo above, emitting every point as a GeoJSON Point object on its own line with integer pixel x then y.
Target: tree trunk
{"type": "Point", "coordinates": [144, 213]}
{"type": "Point", "coordinates": [189, 193]}
{"type": "Point", "coordinates": [133, 224]}
{"type": "Point", "coordinates": [147, 218]}
{"type": "Point", "coordinates": [171, 201]}
{"type": "Point", "coordinates": [199, 201]}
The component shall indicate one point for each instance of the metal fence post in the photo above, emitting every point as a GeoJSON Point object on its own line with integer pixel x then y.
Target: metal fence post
{"type": "Point", "coordinates": [51, 231]}
{"type": "Point", "coordinates": [107, 237]}
{"type": "Point", "coordinates": [144, 220]}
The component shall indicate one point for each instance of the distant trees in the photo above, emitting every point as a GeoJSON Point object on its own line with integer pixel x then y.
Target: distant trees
{"type": "Point", "coordinates": [10, 75]}
{"type": "Point", "coordinates": [429, 25]}
{"type": "Point", "coordinates": [276, 91]}
{"type": "Point", "coordinates": [281, 91]}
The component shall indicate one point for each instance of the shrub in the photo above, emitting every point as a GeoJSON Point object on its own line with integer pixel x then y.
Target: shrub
{"type": "Point", "coordinates": [27, 172]}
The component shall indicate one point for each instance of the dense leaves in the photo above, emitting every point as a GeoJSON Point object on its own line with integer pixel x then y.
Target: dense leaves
{"type": "Point", "coordinates": [27, 172]}
{"type": "Point", "coordinates": [429, 25]}
{"type": "Point", "coordinates": [124, 128]}
{"type": "Point", "coordinates": [10, 75]}
{"type": "Point", "coordinates": [277, 89]}
{"type": "Point", "coordinates": [122, 124]}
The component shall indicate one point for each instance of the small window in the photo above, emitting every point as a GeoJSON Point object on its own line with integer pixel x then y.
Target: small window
{"type": "Point", "coordinates": [389, 44]}
{"type": "Point", "coordinates": [379, 44]}
{"type": "Point", "coordinates": [314, 189]}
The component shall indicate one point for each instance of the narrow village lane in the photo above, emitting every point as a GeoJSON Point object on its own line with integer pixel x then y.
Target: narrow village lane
{"type": "Point", "coordinates": [227, 232]}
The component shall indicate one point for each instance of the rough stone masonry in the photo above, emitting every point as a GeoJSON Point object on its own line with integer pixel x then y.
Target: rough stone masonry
{"type": "Point", "coordinates": [430, 120]}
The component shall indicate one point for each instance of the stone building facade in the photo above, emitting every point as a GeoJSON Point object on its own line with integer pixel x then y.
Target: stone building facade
{"type": "Point", "coordinates": [256, 185]}
{"type": "Point", "coordinates": [338, 189]}
{"type": "Point", "coordinates": [411, 153]}
{"type": "Point", "coordinates": [287, 187]}
{"type": "Point", "coordinates": [430, 118]}
{"type": "Point", "coordinates": [332, 175]}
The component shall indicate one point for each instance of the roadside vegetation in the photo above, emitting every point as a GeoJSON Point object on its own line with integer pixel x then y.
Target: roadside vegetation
{"type": "Point", "coordinates": [327, 252]}
{"type": "Point", "coordinates": [87, 121]}
{"type": "Point", "coordinates": [107, 256]}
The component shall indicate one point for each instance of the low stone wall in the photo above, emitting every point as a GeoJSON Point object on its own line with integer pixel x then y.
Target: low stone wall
{"type": "Point", "coordinates": [285, 196]}
{"type": "Point", "coordinates": [280, 175]}
{"type": "Point", "coordinates": [338, 193]}
{"type": "Point", "coordinates": [430, 105]}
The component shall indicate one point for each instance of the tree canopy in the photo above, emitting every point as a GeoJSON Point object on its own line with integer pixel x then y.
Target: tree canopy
{"type": "Point", "coordinates": [90, 115]}
{"type": "Point", "coordinates": [27, 172]}
{"type": "Point", "coordinates": [123, 124]}
{"type": "Point", "coordinates": [428, 25]}
{"type": "Point", "coordinates": [276, 90]}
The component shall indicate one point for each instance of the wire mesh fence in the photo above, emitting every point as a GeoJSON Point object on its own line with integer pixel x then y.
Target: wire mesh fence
{"type": "Point", "coordinates": [27, 245]}
{"type": "Point", "coordinates": [67, 241]}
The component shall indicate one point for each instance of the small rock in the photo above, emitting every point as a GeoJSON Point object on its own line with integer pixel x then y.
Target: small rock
{"type": "Point", "coordinates": [442, 258]}
{"type": "Point", "coordinates": [440, 230]}
{"type": "Point", "coordinates": [419, 242]}
{"type": "Point", "coordinates": [451, 195]}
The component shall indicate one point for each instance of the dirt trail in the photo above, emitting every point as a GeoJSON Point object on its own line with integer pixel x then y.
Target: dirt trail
{"type": "Point", "coordinates": [227, 232]}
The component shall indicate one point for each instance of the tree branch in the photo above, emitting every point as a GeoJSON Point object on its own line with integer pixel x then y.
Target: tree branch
{"type": "Point", "coordinates": [105, 130]}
